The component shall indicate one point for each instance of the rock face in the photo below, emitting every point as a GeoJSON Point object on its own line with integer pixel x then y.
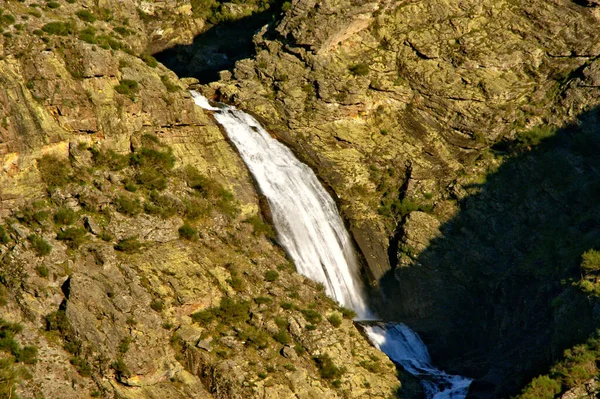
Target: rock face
{"type": "Point", "coordinates": [403, 109]}
{"type": "Point", "coordinates": [132, 264]}
{"type": "Point", "coordinates": [368, 93]}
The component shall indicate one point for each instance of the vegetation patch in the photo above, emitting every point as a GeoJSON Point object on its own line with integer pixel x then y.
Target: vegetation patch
{"type": "Point", "coordinates": [55, 172]}
{"type": "Point", "coordinates": [39, 245]}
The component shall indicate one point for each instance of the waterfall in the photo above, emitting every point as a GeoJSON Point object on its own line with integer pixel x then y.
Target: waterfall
{"type": "Point", "coordinates": [311, 230]}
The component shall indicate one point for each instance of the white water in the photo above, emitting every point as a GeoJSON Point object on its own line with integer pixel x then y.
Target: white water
{"type": "Point", "coordinates": [310, 229]}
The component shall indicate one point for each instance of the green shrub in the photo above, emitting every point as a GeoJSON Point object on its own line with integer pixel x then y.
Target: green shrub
{"type": "Point", "coordinates": [254, 338]}
{"type": "Point", "coordinates": [312, 316]}
{"type": "Point", "coordinates": [151, 179]}
{"type": "Point", "coordinates": [128, 205]}
{"type": "Point", "coordinates": [271, 275]}
{"type": "Point", "coordinates": [542, 387]}
{"type": "Point", "coordinates": [4, 237]}
{"type": "Point", "coordinates": [591, 261]}
{"type": "Point", "coordinates": [287, 305]}
{"type": "Point", "coordinates": [120, 368]}
{"type": "Point", "coordinates": [171, 88]}
{"type": "Point", "coordinates": [109, 159]}
{"type": "Point", "coordinates": [335, 320]}
{"type": "Point", "coordinates": [86, 16]}
{"type": "Point", "coordinates": [52, 4]}
{"type": "Point", "coordinates": [149, 60]}
{"type": "Point", "coordinates": [163, 205]}
{"type": "Point", "coordinates": [39, 245]}
{"type": "Point", "coordinates": [124, 345]}
{"type": "Point", "coordinates": [153, 158]}
{"type": "Point", "coordinates": [73, 236]}
{"type": "Point", "coordinates": [195, 209]}
{"type": "Point", "coordinates": [65, 216]}
{"type": "Point", "coordinates": [359, 69]}
{"type": "Point", "coordinates": [348, 313]}
{"type": "Point", "coordinates": [327, 368]}
{"type": "Point", "coordinates": [263, 300]}
{"type": "Point", "coordinates": [88, 35]}
{"type": "Point", "coordinates": [231, 311]}
{"type": "Point", "coordinates": [128, 245]}
{"type": "Point", "coordinates": [236, 282]}
{"type": "Point", "coordinates": [82, 366]}
{"type": "Point", "coordinates": [58, 28]}
{"type": "Point", "coordinates": [127, 87]}
{"type": "Point", "coordinates": [282, 337]}
{"type": "Point", "coordinates": [286, 6]}
{"type": "Point", "coordinates": [55, 172]}
{"type": "Point", "coordinates": [260, 227]}
{"type": "Point", "coordinates": [130, 186]}
{"type": "Point", "coordinates": [532, 137]}
{"type": "Point", "coordinates": [188, 232]}
{"type": "Point", "coordinates": [42, 270]}
{"type": "Point", "coordinates": [203, 316]}
{"type": "Point", "coordinates": [27, 355]}
{"type": "Point", "coordinates": [157, 305]}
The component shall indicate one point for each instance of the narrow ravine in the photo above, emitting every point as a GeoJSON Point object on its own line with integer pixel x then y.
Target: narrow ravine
{"type": "Point", "coordinates": [311, 230]}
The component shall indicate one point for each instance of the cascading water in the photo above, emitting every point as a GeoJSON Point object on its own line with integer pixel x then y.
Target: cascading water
{"type": "Point", "coordinates": [312, 232]}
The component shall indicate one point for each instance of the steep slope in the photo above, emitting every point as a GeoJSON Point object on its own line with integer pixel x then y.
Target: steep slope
{"type": "Point", "coordinates": [135, 262]}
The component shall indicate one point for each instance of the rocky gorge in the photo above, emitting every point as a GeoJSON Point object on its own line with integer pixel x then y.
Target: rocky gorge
{"type": "Point", "coordinates": [459, 139]}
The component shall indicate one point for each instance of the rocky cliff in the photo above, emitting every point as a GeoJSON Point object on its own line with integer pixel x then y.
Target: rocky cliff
{"type": "Point", "coordinates": [134, 260]}
{"type": "Point", "coordinates": [453, 135]}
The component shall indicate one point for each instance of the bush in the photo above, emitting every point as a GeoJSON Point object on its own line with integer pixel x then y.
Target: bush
{"type": "Point", "coordinates": [127, 87]}
{"type": "Point", "coordinates": [149, 60]}
{"type": "Point", "coordinates": [271, 275]}
{"type": "Point", "coordinates": [27, 355]}
{"type": "Point", "coordinates": [195, 209]}
{"type": "Point", "coordinates": [39, 245]}
{"type": "Point", "coordinates": [171, 88]}
{"type": "Point", "coordinates": [4, 237]}
{"type": "Point", "coordinates": [359, 69]}
{"type": "Point", "coordinates": [110, 159]}
{"type": "Point", "coordinates": [127, 205]}
{"type": "Point", "coordinates": [230, 311]}
{"type": "Point", "coordinates": [74, 236]}
{"type": "Point", "coordinates": [335, 320]}
{"type": "Point", "coordinates": [282, 337]}
{"type": "Point", "coordinates": [188, 232]}
{"type": "Point", "coordinates": [82, 366]}
{"type": "Point", "coordinates": [151, 179]}
{"type": "Point", "coordinates": [65, 216]}
{"type": "Point", "coordinates": [42, 271]}
{"type": "Point", "coordinates": [163, 205]}
{"type": "Point", "coordinates": [203, 316]}
{"type": "Point", "coordinates": [590, 261]}
{"type": "Point", "coordinates": [157, 305]}
{"type": "Point", "coordinates": [128, 245]}
{"type": "Point", "coordinates": [120, 369]}
{"type": "Point", "coordinates": [55, 172]}
{"type": "Point", "coordinates": [263, 300]}
{"type": "Point", "coordinates": [348, 313]}
{"type": "Point", "coordinates": [327, 368]}
{"type": "Point", "coordinates": [312, 316]}
{"type": "Point", "coordinates": [255, 338]}
{"type": "Point", "coordinates": [58, 28]}
{"type": "Point", "coordinates": [260, 227]}
{"type": "Point", "coordinates": [153, 158]}
{"type": "Point", "coordinates": [542, 387]}
{"type": "Point", "coordinates": [86, 16]}
{"type": "Point", "coordinates": [52, 4]}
